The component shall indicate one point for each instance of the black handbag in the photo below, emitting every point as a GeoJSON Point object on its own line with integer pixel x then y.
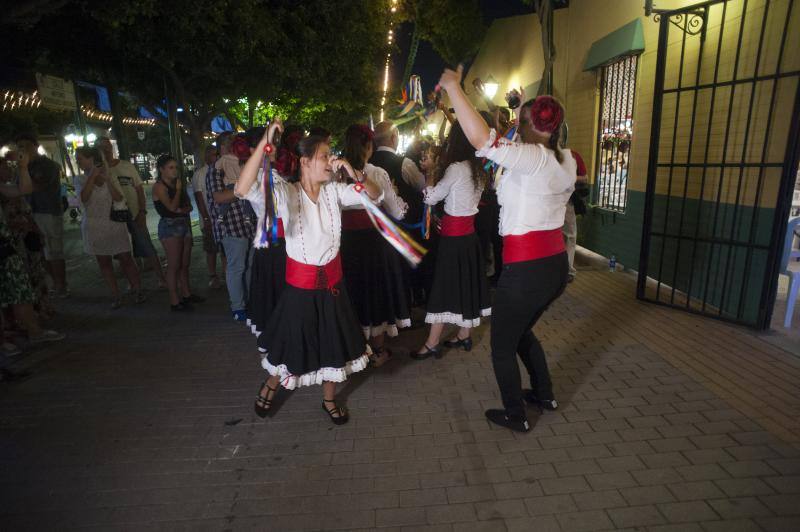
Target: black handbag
{"type": "Point", "coordinates": [122, 215]}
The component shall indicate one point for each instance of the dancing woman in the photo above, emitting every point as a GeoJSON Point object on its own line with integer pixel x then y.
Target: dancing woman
{"type": "Point", "coordinates": [533, 194]}
{"type": "Point", "coordinates": [313, 335]}
{"type": "Point", "coordinates": [459, 294]}
{"type": "Point", "coordinates": [373, 269]}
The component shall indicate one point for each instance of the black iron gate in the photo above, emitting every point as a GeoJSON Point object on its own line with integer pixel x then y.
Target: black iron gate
{"type": "Point", "coordinates": [723, 157]}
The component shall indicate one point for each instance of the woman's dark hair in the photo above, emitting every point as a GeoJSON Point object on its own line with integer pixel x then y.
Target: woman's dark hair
{"type": "Point", "coordinates": [356, 140]}
{"type": "Point", "coordinates": [308, 147]}
{"type": "Point", "coordinates": [253, 135]}
{"type": "Point", "coordinates": [90, 152]}
{"type": "Point", "coordinates": [162, 161]}
{"type": "Point", "coordinates": [554, 142]}
{"type": "Point", "coordinates": [458, 149]}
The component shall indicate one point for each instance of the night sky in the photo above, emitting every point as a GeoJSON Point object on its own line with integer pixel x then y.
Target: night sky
{"type": "Point", "coordinates": [428, 64]}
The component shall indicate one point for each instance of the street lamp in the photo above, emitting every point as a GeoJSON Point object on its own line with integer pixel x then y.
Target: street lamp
{"type": "Point", "coordinates": [490, 87]}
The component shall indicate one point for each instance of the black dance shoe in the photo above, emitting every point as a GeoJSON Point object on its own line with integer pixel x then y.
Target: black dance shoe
{"type": "Point", "coordinates": [546, 404]}
{"type": "Point", "coordinates": [499, 417]}
{"type": "Point", "coordinates": [194, 298]}
{"type": "Point", "coordinates": [435, 351]}
{"type": "Point", "coordinates": [181, 307]}
{"type": "Point", "coordinates": [343, 416]}
{"type": "Point", "coordinates": [466, 343]}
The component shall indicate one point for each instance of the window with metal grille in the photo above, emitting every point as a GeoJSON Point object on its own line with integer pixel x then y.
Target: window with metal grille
{"type": "Point", "coordinates": [617, 90]}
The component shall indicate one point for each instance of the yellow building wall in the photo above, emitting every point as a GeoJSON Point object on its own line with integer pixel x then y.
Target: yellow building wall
{"type": "Point", "coordinates": [511, 53]}
{"type": "Point", "coordinates": [586, 21]}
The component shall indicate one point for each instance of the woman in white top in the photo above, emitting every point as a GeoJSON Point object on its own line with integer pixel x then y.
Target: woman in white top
{"type": "Point", "coordinates": [459, 294]}
{"type": "Point", "coordinates": [313, 335]}
{"type": "Point", "coordinates": [533, 192]}
{"type": "Point", "coordinates": [373, 269]}
{"type": "Point", "coordinates": [103, 237]}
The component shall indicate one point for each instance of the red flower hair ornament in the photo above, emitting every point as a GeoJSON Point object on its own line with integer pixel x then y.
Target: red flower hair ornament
{"type": "Point", "coordinates": [240, 148]}
{"type": "Point", "coordinates": [546, 114]}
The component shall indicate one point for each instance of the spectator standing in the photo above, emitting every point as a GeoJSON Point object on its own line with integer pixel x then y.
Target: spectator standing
{"type": "Point", "coordinates": [210, 247]}
{"type": "Point", "coordinates": [575, 206]}
{"type": "Point", "coordinates": [47, 207]}
{"type": "Point", "coordinates": [17, 294]}
{"type": "Point", "coordinates": [175, 231]}
{"type": "Point", "coordinates": [27, 238]}
{"type": "Point", "coordinates": [234, 230]}
{"type": "Point", "coordinates": [103, 237]}
{"type": "Point", "coordinates": [124, 173]}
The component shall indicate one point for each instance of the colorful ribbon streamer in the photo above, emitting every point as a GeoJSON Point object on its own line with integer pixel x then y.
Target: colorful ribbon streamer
{"type": "Point", "coordinates": [399, 239]}
{"type": "Point", "coordinates": [269, 233]}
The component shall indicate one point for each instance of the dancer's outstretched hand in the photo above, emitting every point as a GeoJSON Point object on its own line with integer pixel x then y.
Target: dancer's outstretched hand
{"type": "Point", "coordinates": [451, 78]}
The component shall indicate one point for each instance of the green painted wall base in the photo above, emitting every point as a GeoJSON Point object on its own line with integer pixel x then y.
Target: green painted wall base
{"type": "Point", "coordinates": [711, 260]}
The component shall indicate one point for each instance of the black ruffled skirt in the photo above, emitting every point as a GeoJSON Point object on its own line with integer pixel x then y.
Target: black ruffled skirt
{"type": "Point", "coordinates": [377, 282]}
{"type": "Point", "coordinates": [313, 336]}
{"type": "Point", "coordinates": [267, 282]}
{"type": "Point", "coordinates": [459, 294]}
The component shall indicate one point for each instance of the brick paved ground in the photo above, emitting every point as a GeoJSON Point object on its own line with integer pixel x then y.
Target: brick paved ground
{"type": "Point", "coordinates": [143, 420]}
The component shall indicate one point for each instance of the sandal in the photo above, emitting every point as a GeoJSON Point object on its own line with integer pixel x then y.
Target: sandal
{"type": "Point", "coordinates": [263, 404]}
{"type": "Point", "coordinates": [435, 351]}
{"type": "Point", "coordinates": [343, 416]}
{"type": "Point", "coordinates": [379, 357]}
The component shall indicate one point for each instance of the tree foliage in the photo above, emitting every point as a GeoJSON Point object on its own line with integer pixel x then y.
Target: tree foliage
{"type": "Point", "coordinates": [314, 61]}
{"type": "Point", "coordinates": [454, 28]}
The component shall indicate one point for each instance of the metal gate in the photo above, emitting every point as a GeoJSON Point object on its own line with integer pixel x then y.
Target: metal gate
{"type": "Point", "coordinates": [723, 157]}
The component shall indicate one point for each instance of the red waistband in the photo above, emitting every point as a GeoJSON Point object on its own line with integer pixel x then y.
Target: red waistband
{"type": "Point", "coordinates": [457, 225]}
{"type": "Point", "coordinates": [355, 219]}
{"type": "Point", "coordinates": [533, 245]}
{"type": "Point", "coordinates": [312, 277]}
{"type": "Point", "coordinates": [281, 234]}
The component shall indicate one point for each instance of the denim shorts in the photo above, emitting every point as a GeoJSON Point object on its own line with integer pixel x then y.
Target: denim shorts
{"type": "Point", "coordinates": [174, 228]}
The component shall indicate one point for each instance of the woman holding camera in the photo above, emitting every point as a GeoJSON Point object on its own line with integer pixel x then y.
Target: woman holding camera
{"type": "Point", "coordinates": [103, 237]}
{"type": "Point", "coordinates": [175, 231]}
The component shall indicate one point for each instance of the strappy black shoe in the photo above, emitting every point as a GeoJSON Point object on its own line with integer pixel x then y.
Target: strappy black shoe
{"type": "Point", "coordinates": [343, 416]}
{"type": "Point", "coordinates": [435, 351]}
{"type": "Point", "coordinates": [465, 343]}
{"type": "Point", "coordinates": [263, 404]}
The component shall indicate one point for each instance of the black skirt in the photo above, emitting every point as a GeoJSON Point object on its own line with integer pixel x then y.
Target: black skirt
{"type": "Point", "coordinates": [313, 336]}
{"type": "Point", "coordinates": [376, 281]}
{"type": "Point", "coordinates": [459, 294]}
{"type": "Point", "coordinates": [266, 284]}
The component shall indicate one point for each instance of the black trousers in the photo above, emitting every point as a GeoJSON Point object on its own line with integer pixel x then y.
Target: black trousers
{"type": "Point", "coordinates": [524, 292]}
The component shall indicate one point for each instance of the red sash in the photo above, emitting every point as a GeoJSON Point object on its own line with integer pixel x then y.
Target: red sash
{"type": "Point", "coordinates": [457, 225]}
{"type": "Point", "coordinates": [532, 246]}
{"type": "Point", "coordinates": [311, 277]}
{"type": "Point", "coordinates": [355, 219]}
{"type": "Point", "coordinates": [280, 228]}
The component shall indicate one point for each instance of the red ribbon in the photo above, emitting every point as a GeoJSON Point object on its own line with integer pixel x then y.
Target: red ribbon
{"type": "Point", "coordinates": [533, 245]}
{"type": "Point", "coordinates": [457, 225]}
{"type": "Point", "coordinates": [310, 277]}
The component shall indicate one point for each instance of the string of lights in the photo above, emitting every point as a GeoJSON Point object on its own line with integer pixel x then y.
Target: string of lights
{"type": "Point", "coordinates": [100, 116]}
{"type": "Point", "coordinates": [393, 10]}
{"type": "Point", "coordinates": [13, 100]}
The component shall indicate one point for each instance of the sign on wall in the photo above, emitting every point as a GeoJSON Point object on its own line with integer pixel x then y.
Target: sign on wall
{"type": "Point", "coordinates": [56, 93]}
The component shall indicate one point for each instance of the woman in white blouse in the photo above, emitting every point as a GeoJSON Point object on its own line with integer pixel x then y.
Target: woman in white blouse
{"type": "Point", "coordinates": [533, 192]}
{"type": "Point", "coordinates": [459, 294]}
{"type": "Point", "coordinates": [373, 269]}
{"type": "Point", "coordinates": [313, 335]}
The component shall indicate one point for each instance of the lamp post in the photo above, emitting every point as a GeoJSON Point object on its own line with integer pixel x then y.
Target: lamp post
{"type": "Point", "coordinates": [490, 87]}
